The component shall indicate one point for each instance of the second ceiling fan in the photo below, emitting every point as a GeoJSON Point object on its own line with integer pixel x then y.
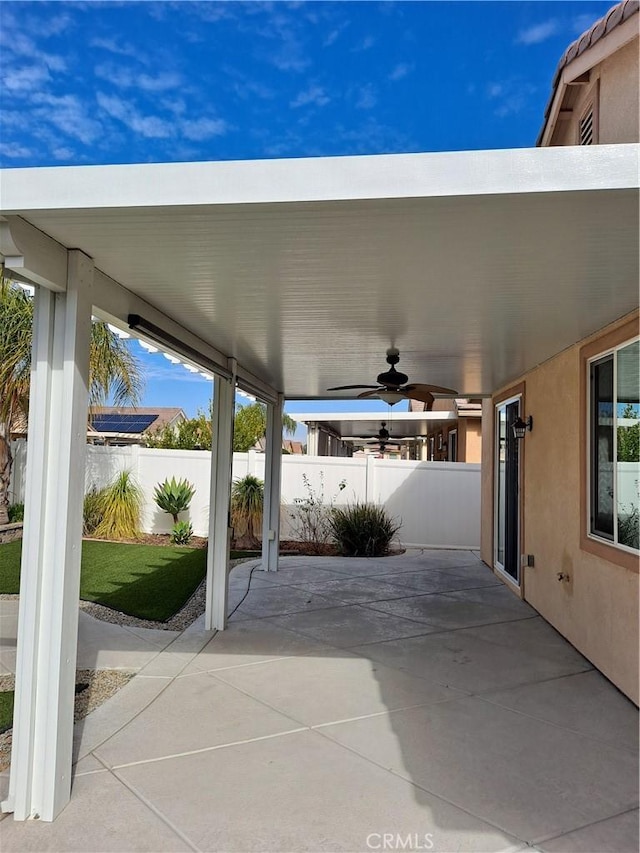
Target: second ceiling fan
{"type": "Point", "coordinates": [394, 386]}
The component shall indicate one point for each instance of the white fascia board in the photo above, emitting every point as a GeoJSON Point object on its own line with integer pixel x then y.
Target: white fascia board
{"type": "Point", "coordinates": [384, 176]}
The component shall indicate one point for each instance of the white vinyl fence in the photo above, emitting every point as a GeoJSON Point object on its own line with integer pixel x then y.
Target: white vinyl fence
{"type": "Point", "coordinates": [438, 502]}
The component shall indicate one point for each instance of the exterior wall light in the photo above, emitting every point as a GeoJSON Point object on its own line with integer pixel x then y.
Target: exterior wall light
{"type": "Point", "coordinates": [520, 427]}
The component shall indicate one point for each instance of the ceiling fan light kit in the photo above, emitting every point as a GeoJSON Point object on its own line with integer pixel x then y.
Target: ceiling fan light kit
{"type": "Point", "coordinates": [392, 386]}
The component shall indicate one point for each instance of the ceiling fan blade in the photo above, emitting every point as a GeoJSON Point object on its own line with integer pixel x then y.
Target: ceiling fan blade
{"type": "Point", "coordinates": [432, 389]}
{"type": "Point", "coordinates": [350, 387]}
{"type": "Point", "coordinates": [374, 393]}
{"type": "Point", "coordinates": [418, 393]}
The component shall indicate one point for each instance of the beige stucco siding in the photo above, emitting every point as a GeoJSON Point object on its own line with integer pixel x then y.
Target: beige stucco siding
{"type": "Point", "coordinates": [597, 608]}
{"type": "Point", "coordinates": [472, 440]}
{"type": "Point", "coordinates": [619, 118]}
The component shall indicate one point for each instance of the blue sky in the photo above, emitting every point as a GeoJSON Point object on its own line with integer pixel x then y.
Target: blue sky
{"type": "Point", "coordinates": [114, 82]}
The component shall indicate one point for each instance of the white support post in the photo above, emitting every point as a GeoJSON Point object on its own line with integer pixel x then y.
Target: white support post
{"type": "Point", "coordinates": [40, 782]}
{"type": "Point", "coordinates": [272, 484]}
{"type": "Point", "coordinates": [312, 439]}
{"type": "Point", "coordinates": [219, 503]}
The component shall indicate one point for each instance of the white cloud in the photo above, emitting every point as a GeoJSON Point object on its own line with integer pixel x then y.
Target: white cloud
{"type": "Point", "coordinates": [128, 78]}
{"type": "Point", "coordinates": [21, 45]}
{"type": "Point", "coordinates": [315, 95]}
{"type": "Point", "coordinates": [117, 47]}
{"type": "Point", "coordinates": [53, 25]}
{"type": "Point", "coordinates": [335, 34]}
{"type": "Point", "coordinates": [367, 98]}
{"type": "Point", "coordinates": [25, 79]}
{"type": "Point", "coordinates": [203, 128]}
{"type": "Point", "coordinates": [401, 70]}
{"type": "Point", "coordinates": [14, 150]}
{"type": "Point", "coordinates": [158, 127]}
{"type": "Point", "coordinates": [63, 153]}
{"type": "Point", "coordinates": [366, 44]}
{"type": "Point", "coordinates": [68, 114]}
{"type": "Point", "coordinates": [149, 126]}
{"type": "Point", "coordinates": [538, 32]}
{"type": "Point", "coordinates": [509, 96]}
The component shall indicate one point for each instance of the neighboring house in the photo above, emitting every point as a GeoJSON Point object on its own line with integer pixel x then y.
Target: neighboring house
{"type": "Point", "coordinates": [120, 425]}
{"type": "Point", "coordinates": [594, 98]}
{"type": "Point", "coordinates": [458, 440]}
{"type": "Point", "coordinates": [289, 446]}
{"type": "Point", "coordinates": [561, 505]}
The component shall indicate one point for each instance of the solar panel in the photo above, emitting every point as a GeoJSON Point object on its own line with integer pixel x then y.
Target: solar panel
{"type": "Point", "coordinates": [122, 423]}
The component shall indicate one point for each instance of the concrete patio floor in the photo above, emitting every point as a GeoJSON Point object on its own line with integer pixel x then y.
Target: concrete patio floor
{"type": "Point", "coordinates": [410, 702]}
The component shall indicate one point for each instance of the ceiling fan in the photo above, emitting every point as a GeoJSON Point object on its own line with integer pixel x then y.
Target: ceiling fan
{"type": "Point", "coordinates": [382, 438]}
{"type": "Point", "coordinates": [392, 386]}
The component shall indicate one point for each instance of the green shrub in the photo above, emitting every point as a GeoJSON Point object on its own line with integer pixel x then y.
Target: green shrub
{"type": "Point", "coordinates": [120, 503]}
{"type": "Point", "coordinates": [247, 501]}
{"type": "Point", "coordinates": [363, 530]}
{"type": "Point", "coordinates": [16, 513]}
{"type": "Point", "coordinates": [92, 511]}
{"type": "Point", "coordinates": [181, 533]}
{"type": "Point", "coordinates": [174, 497]}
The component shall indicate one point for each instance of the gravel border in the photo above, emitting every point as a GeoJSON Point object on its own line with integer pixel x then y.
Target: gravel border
{"type": "Point", "coordinates": [102, 684]}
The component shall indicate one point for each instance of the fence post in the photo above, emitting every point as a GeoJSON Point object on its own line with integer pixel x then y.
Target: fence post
{"type": "Point", "coordinates": [252, 467]}
{"type": "Point", "coordinates": [370, 482]}
{"type": "Point", "coordinates": [135, 462]}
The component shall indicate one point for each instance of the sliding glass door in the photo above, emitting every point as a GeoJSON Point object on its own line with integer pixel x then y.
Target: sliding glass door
{"type": "Point", "coordinates": [507, 491]}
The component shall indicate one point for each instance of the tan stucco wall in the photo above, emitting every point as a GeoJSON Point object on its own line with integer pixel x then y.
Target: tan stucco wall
{"type": "Point", "coordinates": [619, 121]}
{"type": "Point", "coordinates": [472, 440]}
{"type": "Point", "coordinates": [597, 610]}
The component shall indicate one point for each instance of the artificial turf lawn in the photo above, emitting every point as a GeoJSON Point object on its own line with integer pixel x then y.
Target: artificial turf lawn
{"type": "Point", "coordinates": [6, 710]}
{"type": "Point", "coordinates": [147, 581]}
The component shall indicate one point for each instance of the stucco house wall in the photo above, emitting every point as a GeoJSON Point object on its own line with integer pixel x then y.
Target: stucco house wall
{"type": "Point", "coordinates": [596, 609]}
{"type": "Point", "coordinates": [614, 83]}
{"type": "Point", "coordinates": [472, 440]}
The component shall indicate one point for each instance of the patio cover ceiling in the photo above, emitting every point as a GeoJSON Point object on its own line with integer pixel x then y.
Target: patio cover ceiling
{"type": "Point", "coordinates": [350, 425]}
{"type": "Point", "coordinates": [476, 265]}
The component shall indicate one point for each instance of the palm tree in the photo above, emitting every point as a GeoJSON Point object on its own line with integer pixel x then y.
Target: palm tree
{"type": "Point", "coordinates": [113, 372]}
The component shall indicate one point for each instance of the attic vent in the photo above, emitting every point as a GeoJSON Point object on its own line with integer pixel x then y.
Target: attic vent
{"type": "Point", "coordinates": [586, 128]}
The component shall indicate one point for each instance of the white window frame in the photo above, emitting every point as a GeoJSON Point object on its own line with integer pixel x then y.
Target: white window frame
{"type": "Point", "coordinates": [612, 543]}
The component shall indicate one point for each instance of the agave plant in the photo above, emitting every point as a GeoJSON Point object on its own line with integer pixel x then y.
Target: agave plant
{"type": "Point", "coordinates": [120, 504]}
{"type": "Point", "coordinates": [174, 496]}
{"type": "Point", "coordinates": [181, 532]}
{"type": "Point", "coordinates": [247, 500]}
